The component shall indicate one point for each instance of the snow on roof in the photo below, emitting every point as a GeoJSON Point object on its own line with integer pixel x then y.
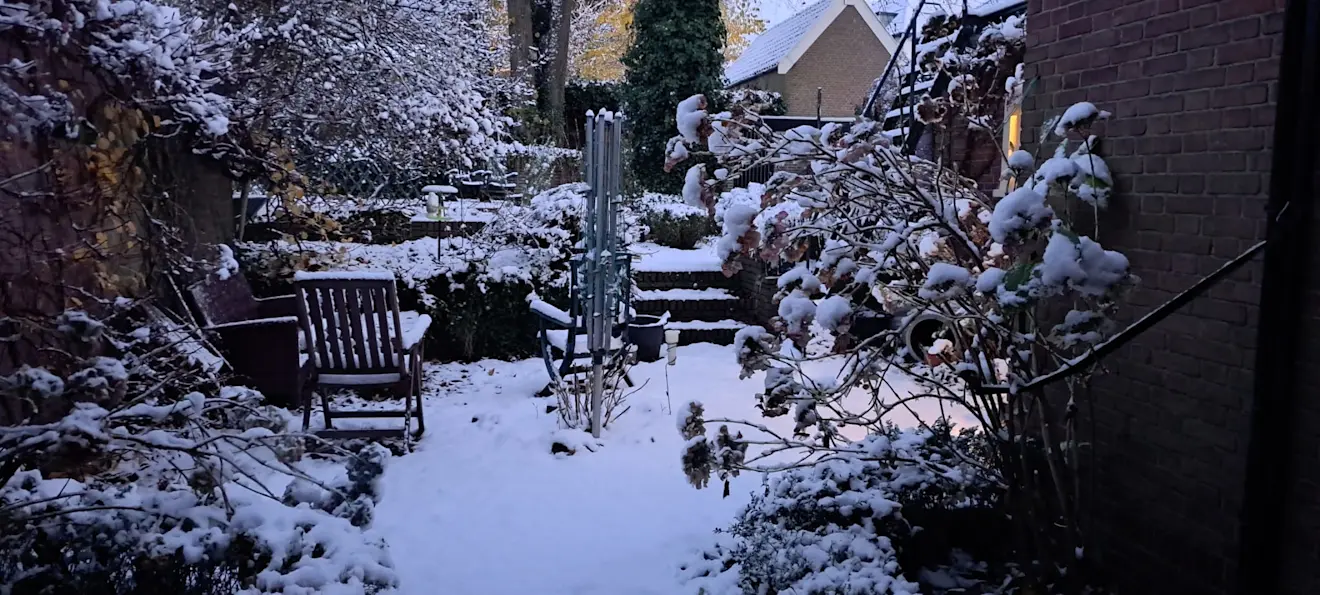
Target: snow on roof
{"type": "Point", "coordinates": [993, 6]}
{"type": "Point", "coordinates": [765, 52]}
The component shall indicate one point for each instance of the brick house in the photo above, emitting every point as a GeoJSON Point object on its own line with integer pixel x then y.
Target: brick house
{"type": "Point", "coordinates": [1194, 88]}
{"type": "Point", "coordinates": [837, 46]}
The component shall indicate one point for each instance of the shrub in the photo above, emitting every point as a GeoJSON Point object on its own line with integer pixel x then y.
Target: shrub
{"type": "Point", "coordinates": [669, 222]}
{"type": "Point", "coordinates": [895, 513]}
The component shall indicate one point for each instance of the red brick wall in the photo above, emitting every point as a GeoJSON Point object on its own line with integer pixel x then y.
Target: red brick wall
{"type": "Point", "coordinates": [1191, 84]}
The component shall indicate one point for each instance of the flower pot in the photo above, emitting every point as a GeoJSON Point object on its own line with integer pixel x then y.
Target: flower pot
{"type": "Point", "coordinates": [647, 333]}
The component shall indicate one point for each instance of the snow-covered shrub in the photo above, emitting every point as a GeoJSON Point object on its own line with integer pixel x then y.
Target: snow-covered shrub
{"type": "Point", "coordinates": [670, 222]}
{"type": "Point", "coordinates": [877, 231]}
{"type": "Point", "coordinates": [136, 470]}
{"type": "Point", "coordinates": [872, 517]}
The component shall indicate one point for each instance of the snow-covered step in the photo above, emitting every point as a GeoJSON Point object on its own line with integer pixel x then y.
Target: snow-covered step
{"type": "Point", "coordinates": [712, 293]}
{"type": "Point", "coordinates": [719, 332]}
{"type": "Point", "coordinates": [706, 325]}
{"type": "Point", "coordinates": [648, 280]}
{"type": "Point", "coordinates": [689, 304]}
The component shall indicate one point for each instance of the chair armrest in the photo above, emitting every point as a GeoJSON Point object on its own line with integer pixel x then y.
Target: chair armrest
{"type": "Point", "coordinates": [551, 314]}
{"type": "Point", "coordinates": [281, 305]}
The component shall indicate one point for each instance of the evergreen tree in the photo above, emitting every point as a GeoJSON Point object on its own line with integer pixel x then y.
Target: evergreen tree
{"type": "Point", "coordinates": [677, 52]}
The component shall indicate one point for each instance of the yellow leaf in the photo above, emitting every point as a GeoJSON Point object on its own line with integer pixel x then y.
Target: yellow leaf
{"type": "Point", "coordinates": [63, 85]}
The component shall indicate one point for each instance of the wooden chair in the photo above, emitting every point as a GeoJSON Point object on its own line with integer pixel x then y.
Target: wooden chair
{"type": "Point", "coordinates": [358, 338]}
{"type": "Point", "coordinates": [259, 337]}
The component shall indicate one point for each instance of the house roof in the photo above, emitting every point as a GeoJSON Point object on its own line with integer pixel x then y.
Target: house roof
{"type": "Point", "coordinates": [782, 45]}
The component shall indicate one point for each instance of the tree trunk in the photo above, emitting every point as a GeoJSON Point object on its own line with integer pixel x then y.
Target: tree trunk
{"type": "Point", "coordinates": [558, 75]}
{"type": "Point", "coordinates": [520, 40]}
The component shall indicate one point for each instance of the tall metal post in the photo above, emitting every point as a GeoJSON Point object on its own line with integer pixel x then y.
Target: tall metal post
{"type": "Point", "coordinates": [603, 173]}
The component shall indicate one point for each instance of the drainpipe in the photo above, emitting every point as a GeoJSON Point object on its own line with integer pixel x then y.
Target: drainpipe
{"type": "Point", "coordinates": [1282, 306]}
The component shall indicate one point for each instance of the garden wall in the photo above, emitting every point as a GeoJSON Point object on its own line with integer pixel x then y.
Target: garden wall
{"type": "Point", "coordinates": [1192, 87]}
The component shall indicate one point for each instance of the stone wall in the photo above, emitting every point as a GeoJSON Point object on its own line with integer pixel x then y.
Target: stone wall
{"type": "Point", "coordinates": [1192, 87]}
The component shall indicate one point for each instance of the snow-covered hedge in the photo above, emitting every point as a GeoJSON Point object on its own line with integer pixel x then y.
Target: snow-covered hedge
{"type": "Point", "coordinates": [873, 517]}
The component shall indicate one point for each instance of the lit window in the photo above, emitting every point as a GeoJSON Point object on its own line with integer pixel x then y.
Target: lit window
{"type": "Point", "coordinates": [1012, 142]}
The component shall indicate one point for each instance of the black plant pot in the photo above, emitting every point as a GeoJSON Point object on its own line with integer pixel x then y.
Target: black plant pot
{"type": "Point", "coordinates": [647, 333]}
{"type": "Point", "coordinates": [868, 324]}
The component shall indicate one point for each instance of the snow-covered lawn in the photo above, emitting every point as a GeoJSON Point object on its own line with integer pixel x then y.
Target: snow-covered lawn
{"type": "Point", "coordinates": [483, 507]}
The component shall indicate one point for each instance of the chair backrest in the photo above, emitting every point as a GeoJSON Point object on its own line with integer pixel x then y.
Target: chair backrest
{"type": "Point", "coordinates": [351, 321]}
{"type": "Point", "coordinates": [223, 300]}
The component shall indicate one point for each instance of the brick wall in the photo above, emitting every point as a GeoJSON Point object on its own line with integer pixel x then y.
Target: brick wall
{"type": "Point", "coordinates": [843, 62]}
{"type": "Point", "coordinates": [1191, 84]}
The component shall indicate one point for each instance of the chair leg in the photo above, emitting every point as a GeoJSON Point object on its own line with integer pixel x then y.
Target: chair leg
{"type": "Point", "coordinates": [417, 393]}
{"type": "Point", "coordinates": [305, 395]}
{"type": "Point", "coordinates": [325, 408]}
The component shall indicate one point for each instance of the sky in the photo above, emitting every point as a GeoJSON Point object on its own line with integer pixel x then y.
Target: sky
{"type": "Point", "coordinates": [773, 11]}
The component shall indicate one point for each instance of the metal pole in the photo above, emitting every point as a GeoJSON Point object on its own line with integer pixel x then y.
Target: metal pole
{"type": "Point", "coordinates": [819, 93]}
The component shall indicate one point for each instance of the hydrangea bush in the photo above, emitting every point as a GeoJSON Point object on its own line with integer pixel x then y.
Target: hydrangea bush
{"type": "Point", "coordinates": [1020, 295]}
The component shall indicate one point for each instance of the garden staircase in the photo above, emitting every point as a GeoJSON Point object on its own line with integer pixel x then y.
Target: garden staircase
{"type": "Point", "coordinates": [899, 122]}
{"type": "Point", "coordinates": [704, 305]}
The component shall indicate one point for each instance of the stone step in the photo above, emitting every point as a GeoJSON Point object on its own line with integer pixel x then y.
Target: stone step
{"type": "Point", "coordinates": [689, 310]}
{"type": "Point", "coordinates": [651, 280]}
{"type": "Point", "coordinates": [702, 331]}
{"type": "Point", "coordinates": [689, 304]}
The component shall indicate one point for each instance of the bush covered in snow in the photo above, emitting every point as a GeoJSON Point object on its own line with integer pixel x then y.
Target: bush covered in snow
{"type": "Point", "coordinates": [1013, 296]}
{"type": "Point", "coordinates": [133, 468]}
{"type": "Point", "coordinates": [898, 512]}
{"type": "Point", "coordinates": [670, 222]}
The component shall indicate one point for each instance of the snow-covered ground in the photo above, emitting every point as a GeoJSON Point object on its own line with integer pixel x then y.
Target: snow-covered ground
{"type": "Point", "coordinates": [483, 507]}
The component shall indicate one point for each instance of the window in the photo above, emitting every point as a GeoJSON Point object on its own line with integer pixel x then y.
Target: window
{"type": "Point", "coordinates": [1012, 141]}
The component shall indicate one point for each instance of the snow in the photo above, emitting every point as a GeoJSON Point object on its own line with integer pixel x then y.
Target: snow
{"type": "Point", "coordinates": [1023, 209]}
{"type": "Point", "coordinates": [343, 276]}
{"type": "Point", "coordinates": [705, 325]}
{"type": "Point", "coordinates": [944, 281]}
{"type": "Point", "coordinates": [483, 507]}
{"type": "Point", "coordinates": [1022, 160]}
{"type": "Point", "coordinates": [654, 258]}
{"type": "Point", "coordinates": [441, 189]}
{"type": "Point", "coordinates": [257, 322]}
{"type": "Point", "coordinates": [713, 293]}
{"type": "Point", "coordinates": [738, 219]}
{"type": "Point", "coordinates": [832, 311]}
{"type": "Point", "coordinates": [550, 311]}
{"type": "Point", "coordinates": [467, 211]}
{"type": "Point", "coordinates": [226, 263]}
{"type": "Point", "coordinates": [992, 6]}
{"type": "Point", "coordinates": [1082, 264]}
{"type": "Point", "coordinates": [692, 185]}
{"type": "Point", "coordinates": [1077, 114]}
{"type": "Point", "coordinates": [689, 116]}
